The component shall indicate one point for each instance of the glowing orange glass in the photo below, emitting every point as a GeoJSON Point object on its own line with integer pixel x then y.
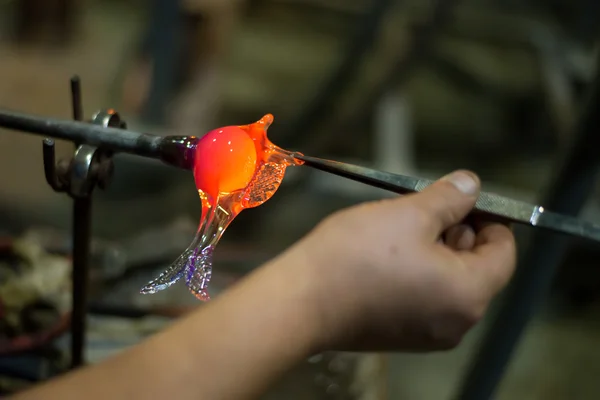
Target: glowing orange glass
{"type": "Point", "coordinates": [235, 167]}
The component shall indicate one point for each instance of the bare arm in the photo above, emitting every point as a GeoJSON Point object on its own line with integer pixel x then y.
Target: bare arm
{"type": "Point", "coordinates": [233, 348]}
{"type": "Point", "coordinates": [372, 277]}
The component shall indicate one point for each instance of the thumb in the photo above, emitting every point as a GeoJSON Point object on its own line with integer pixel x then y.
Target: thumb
{"type": "Point", "coordinates": [448, 200]}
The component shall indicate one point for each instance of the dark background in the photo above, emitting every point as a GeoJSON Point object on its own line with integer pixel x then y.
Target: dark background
{"type": "Point", "coordinates": [408, 86]}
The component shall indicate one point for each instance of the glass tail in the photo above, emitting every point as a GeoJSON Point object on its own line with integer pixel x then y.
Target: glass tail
{"type": "Point", "coordinates": [198, 273]}
{"type": "Point", "coordinates": [176, 270]}
{"type": "Point", "coordinates": [168, 277]}
{"type": "Point", "coordinates": [198, 270]}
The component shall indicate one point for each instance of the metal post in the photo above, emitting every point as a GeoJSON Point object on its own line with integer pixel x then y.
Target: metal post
{"type": "Point", "coordinates": [81, 251]}
{"type": "Point", "coordinates": [88, 168]}
{"type": "Point", "coordinates": [81, 232]}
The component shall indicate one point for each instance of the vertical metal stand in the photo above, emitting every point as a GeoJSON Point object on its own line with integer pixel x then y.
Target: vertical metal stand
{"type": "Point", "coordinates": [78, 177]}
{"type": "Point", "coordinates": [82, 210]}
{"type": "Point", "coordinates": [537, 266]}
{"type": "Point", "coordinates": [81, 231]}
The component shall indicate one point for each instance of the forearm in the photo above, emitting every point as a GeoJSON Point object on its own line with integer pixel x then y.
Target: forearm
{"type": "Point", "coordinates": [232, 348]}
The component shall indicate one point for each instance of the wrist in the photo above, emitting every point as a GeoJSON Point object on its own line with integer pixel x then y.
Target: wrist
{"type": "Point", "coordinates": [306, 272]}
{"type": "Point", "coordinates": [295, 291]}
{"type": "Point", "coordinates": [335, 308]}
{"type": "Point", "coordinates": [257, 330]}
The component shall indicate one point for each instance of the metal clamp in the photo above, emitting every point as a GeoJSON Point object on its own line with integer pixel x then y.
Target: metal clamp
{"type": "Point", "coordinates": [90, 165]}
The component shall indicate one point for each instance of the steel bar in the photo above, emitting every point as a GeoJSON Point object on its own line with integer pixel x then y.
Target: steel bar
{"type": "Point", "coordinates": [489, 205]}
{"type": "Point", "coordinates": [76, 101]}
{"type": "Point", "coordinates": [118, 140]}
{"type": "Point", "coordinates": [81, 237]}
{"type": "Point", "coordinates": [81, 252]}
{"type": "Point", "coordinates": [568, 194]}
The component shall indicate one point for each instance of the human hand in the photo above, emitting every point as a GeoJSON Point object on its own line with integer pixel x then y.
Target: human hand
{"type": "Point", "coordinates": [406, 273]}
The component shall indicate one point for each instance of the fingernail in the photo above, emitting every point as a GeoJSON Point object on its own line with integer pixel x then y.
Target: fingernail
{"type": "Point", "coordinates": [464, 182]}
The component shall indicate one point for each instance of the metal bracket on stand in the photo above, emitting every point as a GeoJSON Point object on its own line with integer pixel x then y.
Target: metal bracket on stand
{"type": "Point", "coordinates": [89, 167]}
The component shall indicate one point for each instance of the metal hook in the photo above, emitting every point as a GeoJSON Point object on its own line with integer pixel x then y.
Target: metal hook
{"type": "Point", "coordinates": [82, 174]}
{"type": "Point", "coordinates": [76, 98]}
{"type": "Point", "coordinates": [92, 166]}
{"type": "Point", "coordinates": [49, 158]}
{"type": "Point", "coordinates": [52, 173]}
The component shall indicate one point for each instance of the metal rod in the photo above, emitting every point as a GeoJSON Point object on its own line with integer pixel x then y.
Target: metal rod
{"type": "Point", "coordinates": [118, 140]}
{"type": "Point", "coordinates": [76, 98]}
{"type": "Point", "coordinates": [538, 264]}
{"type": "Point", "coordinates": [82, 210]}
{"type": "Point", "coordinates": [490, 206]}
{"type": "Point", "coordinates": [49, 156]}
{"type": "Point", "coordinates": [81, 250]}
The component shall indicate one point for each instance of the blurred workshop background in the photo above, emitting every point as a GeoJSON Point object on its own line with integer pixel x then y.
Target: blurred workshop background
{"type": "Point", "coordinates": [415, 87]}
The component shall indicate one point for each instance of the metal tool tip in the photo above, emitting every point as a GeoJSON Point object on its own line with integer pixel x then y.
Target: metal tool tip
{"type": "Point", "coordinates": [297, 155]}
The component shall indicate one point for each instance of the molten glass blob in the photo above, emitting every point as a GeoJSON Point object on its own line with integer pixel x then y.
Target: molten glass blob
{"type": "Point", "coordinates": [235, 167]}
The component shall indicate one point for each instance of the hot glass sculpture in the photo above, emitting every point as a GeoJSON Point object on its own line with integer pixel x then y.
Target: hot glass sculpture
{"type": "Point", "coordinates": [235, 167]}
